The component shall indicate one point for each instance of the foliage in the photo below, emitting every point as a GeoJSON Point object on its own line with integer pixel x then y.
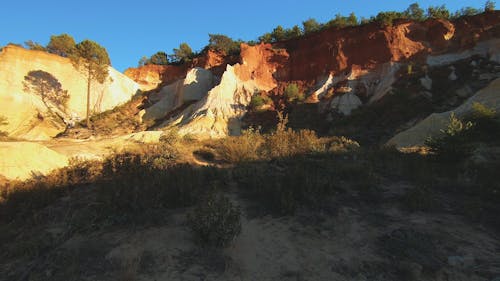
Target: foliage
{"type": "Point", "coordinates": [266, 38]}
{"type": "Point", "coordinates": [278, 34]}
{"type": "Point", "coordinates": [215, 221]}
{"type": "Point", "coordinates": [224, 43]}
{"type": "Point", "coordinates": [341, 21]}
{"type": "Point", "coordinates": [92, 60]}
{"type": "Point", "coordinates": [34, 46]}
{"type": "Point", "coordinates": [241, 148]}
{"type": "Point", "coordinates": [489, 6]}
{"type": "Point", "coordinates": [63, 45]}
{"type": "Point", "coordinates": [438, 12]}
{"type": "Point", "coordinates": [259, 100]}
{"type": "Point", "coordinates": [455, 143]}
{"type": "Point", "coordinates": [47, 86]}
{"type": "Point", "coordinates": [159, 58]}
{"type": "Point", "coordinates": [414, 12]}
{"type": "Point", "coordinates": [387, 18]}
{"type": "Point", "coordinates": [310, 25]}
{"type": "Point", "coordinates": [467, 11]}
{"type": "Point", "coordinates": [293, 94]}
{"type": "Point", "coordinates": [294, 32]}
{"type": "Point", "coordinates": [182, 54]}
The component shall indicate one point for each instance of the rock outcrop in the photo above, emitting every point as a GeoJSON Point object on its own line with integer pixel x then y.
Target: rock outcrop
{"type": "Point", "coordinates": [22, 160]}
{"type": "Point", "coordinates": [28, 114]}
{"type": "Point", "coordinates": [218, 113]}
{"type": "Point", "coordinates": [433, 124]}
{"type": "Point", "coordinates": [194, 87]}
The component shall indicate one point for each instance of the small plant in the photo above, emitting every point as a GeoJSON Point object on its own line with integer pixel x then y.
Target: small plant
{"type": "Point", "coordinates": [455, 142]}
{"type": "Point", "coordinates": [241, 148]}
{"type": "Point", "coordinates": [258, 101]}
{"type": "Point", "coordinates": [215, 221]}
{"type": "Point", "coordinates": [293, 94]}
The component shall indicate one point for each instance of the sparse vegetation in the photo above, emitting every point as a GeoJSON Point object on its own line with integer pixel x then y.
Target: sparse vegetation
{"type": "Point", "coordinates": [293, 94]}
{"type": "Point", "coordinates": [63, 45]}
{"type": "Point", "coordinates": [215, 221]}
{"type": "Point", "coordinates": [93, 61]}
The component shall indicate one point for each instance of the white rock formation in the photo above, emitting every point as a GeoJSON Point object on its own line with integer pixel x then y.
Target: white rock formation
{"type": "Point", "coordinates": [431, 126]}
{"type": "Point", "coordinates": [28, 116]}
{"type": "Point", "coordinates": [346, 103]}
{"type": "Point", "coordinates": [194, 87]}
{"type": "Point", "coordinates": [426, 82]}
{"type": "Point", "coordinates": [218, 113]}
{"type": "Point", "coordinates": [488, 49]}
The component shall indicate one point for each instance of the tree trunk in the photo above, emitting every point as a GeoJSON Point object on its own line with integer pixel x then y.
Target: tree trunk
{"type": "Point", "coordinates": [88, 98]}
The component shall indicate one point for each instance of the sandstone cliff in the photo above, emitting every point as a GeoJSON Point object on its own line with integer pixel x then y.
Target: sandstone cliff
{"type": "Point", "coordinates": [29, 116]}
{"type": "Point", "coordinates": [341, 68]}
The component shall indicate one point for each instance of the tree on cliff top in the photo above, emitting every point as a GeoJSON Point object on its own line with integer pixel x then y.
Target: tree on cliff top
{"type": "Point", "coordinates": [159, 58]}
{"type": "Point", "coordinates": [311, 25]}
{"type": "Point", "coordinates": [182, 54]}
{"type": "Point", "coordinates": [414, 12]}
{"type": "Point", "coordinates": [224, 43]}
{"type": "Point", "coordinates": [438, 12]}
{"type": "Point", "coordinates": [92, 60]}
{"type": "Point", "coordinates": [489, 6]}
{"type": "Point", "coordinates": [63, 45]}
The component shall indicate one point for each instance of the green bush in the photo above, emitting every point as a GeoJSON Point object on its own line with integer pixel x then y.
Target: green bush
{"type": "Point", "coordinates": [293, 94]}
{"type": "Point", "coordinates": [455, 143]}
{"type": "Point", "coordinates": [215, 221]}
{"type": "Point", "coordinates": [258, 101]}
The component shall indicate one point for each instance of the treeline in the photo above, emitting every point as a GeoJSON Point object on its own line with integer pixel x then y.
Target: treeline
{"type": "Point", "coordinates": [63, 45]}
{"type": "Point", "coordinates": [227, 45]}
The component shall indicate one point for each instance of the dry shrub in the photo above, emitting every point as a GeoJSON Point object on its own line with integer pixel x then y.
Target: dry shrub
{"type": "Point", "coordinates": [241, 148]}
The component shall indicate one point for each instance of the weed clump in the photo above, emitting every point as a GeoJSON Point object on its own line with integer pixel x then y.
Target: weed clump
{"type": "Point", "coordinates": [215, 221]}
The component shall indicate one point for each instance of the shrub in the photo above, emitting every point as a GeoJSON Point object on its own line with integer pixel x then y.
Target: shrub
{"type": "Point", "coordinates": [455, 142]}
{"type": "Point", "coordinates": [258, 101]}
{"type": "Point", "coordinates": [215, 221]}
{"type": "Point", "coordinates": [292, 93]}
{"type": "Point", "coordinates": [241, 148]}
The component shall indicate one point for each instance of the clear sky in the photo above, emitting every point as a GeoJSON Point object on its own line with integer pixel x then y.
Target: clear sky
{"type": "Point", "coordinates": [132, 29]}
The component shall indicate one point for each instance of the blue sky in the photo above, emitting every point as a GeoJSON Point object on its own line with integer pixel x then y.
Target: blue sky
{"type": "Point", "coordinates": [132, 29]}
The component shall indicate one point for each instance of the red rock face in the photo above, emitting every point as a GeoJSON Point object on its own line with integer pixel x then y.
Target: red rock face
{"type": "Point", "coordinates": [166, 74]}
{"type": "Point", "coordinates": [338, 50]}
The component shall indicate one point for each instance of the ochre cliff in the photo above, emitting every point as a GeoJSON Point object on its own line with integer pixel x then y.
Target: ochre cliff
{"type": "Point", "coordinates": [150, 76]}
{"type": "Point", "coordinates": [28, 116]}
{"type": "Point", "coordinates": [342, 68]}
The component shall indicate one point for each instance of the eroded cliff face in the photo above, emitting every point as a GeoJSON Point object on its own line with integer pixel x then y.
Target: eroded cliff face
{"type": "Point", "coordinates": [341, 68]}
{"type": "Point", "coordinates": [31, 117]}
{"type": "Point", "coordinates": [151, 77]}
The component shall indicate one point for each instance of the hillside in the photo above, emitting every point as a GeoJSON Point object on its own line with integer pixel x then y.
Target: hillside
{"type": "Point", "coordinates": [31, 118]}
{"type": "Point", "coordinates": [367, 152]}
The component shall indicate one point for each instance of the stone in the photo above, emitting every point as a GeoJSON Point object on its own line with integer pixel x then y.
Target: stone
{"type": "Point", "coordinates": [346, 103]}
{"type": "Point", "coordinates": [426, 82]}
{"type": "Point", "coordinates": [453, 76]}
